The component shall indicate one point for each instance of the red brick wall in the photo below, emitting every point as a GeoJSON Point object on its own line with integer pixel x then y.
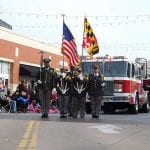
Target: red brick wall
{"type": "Point", "coordinates": [26, 54]}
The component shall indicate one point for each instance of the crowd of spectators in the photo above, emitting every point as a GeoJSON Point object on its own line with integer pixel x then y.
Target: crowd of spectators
{"type": "Point", "coordinates": [25, 98]}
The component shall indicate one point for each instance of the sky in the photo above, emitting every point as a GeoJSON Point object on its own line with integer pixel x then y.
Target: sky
{"type": "Point", "coordinates": [122, 27]}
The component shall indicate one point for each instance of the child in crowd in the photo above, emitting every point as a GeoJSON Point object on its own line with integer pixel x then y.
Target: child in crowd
{"type": "Point", "coordinates": [54, 104]}
{"type": "Point", "coordinates": [33, 107]}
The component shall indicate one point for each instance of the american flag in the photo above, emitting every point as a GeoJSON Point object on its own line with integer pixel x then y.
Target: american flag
{"type": "Point", "coordinates": [69, 48]}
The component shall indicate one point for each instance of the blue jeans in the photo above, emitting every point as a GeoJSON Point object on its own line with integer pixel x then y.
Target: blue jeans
{"type": "Point", "coordinates": [13, 106]}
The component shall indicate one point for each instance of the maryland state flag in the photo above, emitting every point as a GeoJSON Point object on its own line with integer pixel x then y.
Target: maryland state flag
{"type": "Point", "coordinates": [89, 39]}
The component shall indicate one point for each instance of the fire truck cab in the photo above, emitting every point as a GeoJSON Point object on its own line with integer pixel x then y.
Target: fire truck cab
{"type": "Point", "coordinates": [123, 83]}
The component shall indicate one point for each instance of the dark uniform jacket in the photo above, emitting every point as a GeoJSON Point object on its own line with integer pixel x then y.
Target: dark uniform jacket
{"type": "Point", "coordinates": [47, 76]}
{"type": "Point", "coordinates": [63, 83]}
{"type": "Point", "coordinates": [77, 83]}
{"type": "Point", "coordinates": [95, 85]}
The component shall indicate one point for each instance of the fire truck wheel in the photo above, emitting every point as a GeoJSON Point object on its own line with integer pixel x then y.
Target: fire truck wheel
{"type": "Point", "coordinates": [134, 108]}
{"type": "Point", "coordinates": [145, 108]}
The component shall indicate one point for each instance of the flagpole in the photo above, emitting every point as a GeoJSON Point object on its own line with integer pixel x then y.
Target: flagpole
{"type": "Point", "coordinates": [62, 42]}
{"type": "Point", "coordinates": [41, 63]}
{"type": "Point", "coordinates": [82, 45]}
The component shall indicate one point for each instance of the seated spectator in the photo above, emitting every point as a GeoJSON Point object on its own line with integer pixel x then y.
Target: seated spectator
{"type": "Point", "coordinates": [33, 94]}
{"type": "Point", "coordinates": [54, 104]}
{"type": "Point", "coordinates": [23, 89]}
{"type": "Point", "coordinates": [54, 99]}
{"type": "Point", "coordinates": [23, 99]}
{"type": "Point", "coordinates": [33, 107]}
{"type": "Point", "coordinates": [23, 104]}
{"type": "Point", "coordinates": [14, 97]}
{"type": "Point", "coordinates": [53, 110]}
{"type": "Point", "coordinates": [3, 100]}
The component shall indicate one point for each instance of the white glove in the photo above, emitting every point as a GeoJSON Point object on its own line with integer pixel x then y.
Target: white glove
{"type": "Point", "coordinates": [80, 76]}
{"type": "Point", "coordinates": [103, 84]}
{"type": "Point", "coordinates": [63, 75]}
{"type": "Point", "coordinates": [97, 74]}
{"type": "Point", "coordinates": [39, 82]}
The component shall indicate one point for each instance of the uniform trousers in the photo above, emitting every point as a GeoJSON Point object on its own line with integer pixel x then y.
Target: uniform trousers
{"type": "Point", "coordinates": [45, 96]}
{"type": "Point", "coordinates": [95, 104]}
{"type": "Point", "coordinates": [78, 105]}
{"type": "Point", "coordinates": [63, 103]}
{"type": "Point", "coordinates": [69, 107]}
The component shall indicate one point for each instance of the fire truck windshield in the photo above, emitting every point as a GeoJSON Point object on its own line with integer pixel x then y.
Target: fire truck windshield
{"type": "Point", "coordinates": [108, 69]}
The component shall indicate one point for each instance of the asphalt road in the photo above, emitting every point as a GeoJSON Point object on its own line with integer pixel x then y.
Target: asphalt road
{"type": "Point", "coordinates": [118, 131]}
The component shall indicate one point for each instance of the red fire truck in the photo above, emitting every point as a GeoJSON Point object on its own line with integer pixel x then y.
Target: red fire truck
{"type": "Point", "coordinates": [126, 83]}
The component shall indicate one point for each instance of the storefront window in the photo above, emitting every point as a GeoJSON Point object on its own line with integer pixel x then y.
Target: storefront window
{"type": "Point", "coordinates": [4, 67]}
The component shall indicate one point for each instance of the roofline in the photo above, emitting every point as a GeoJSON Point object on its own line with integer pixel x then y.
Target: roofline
{"type": "Point", "coordinates": [6, 59]}
{"type": "Point", "coordinates": [9, 35]}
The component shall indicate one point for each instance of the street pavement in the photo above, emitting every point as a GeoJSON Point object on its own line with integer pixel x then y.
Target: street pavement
{"type": "Point", "coordinates": [120, 131]}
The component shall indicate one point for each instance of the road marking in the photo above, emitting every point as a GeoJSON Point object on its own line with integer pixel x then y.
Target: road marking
{"type": "Point", "coordinates": [33, 140]}
{"type": "Point", "coordinates": [107, 128]}
{"type": "Point", "coordinates": [29, 139]}
{"type": "Point", "coordinates": [26, 136]}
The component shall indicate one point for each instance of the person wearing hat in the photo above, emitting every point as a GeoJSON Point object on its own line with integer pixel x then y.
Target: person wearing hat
{"type": "Point", "coordinates": [79, 89]}
{"type": "Point", "coordinates": [95, 90]}
{"type": "Point", "coordinates": [45, 77]}
{"type": "Point", "coordinates": [63, 88]}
